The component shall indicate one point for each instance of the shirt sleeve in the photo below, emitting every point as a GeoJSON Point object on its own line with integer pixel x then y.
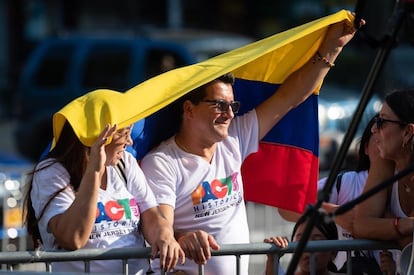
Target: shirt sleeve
{"type": "Point", "coordinates": [51, 193]}
{"type": "Point", "coordinates": [161, 176]}
{"type": "Point", "coordinates": [137, 184]}
{"type": "Point", "coordinates": [246, 129]}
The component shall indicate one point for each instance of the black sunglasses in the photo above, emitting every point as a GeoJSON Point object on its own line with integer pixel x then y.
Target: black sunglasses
{"type": "Point", "coordinates": [379, 122]}
{"type": "Point", "coordinates": [223, 106]}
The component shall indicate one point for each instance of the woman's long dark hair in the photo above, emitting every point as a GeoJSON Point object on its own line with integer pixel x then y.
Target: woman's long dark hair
{"type": "Point", "coordinates": [363, 159]}
{"type": "Point", "coordinates": [401, 103]}
{"type": "Point", "coordinates": [73, 156]}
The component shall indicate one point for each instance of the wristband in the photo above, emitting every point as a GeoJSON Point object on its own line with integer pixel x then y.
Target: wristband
{"type": "Point", "coordinates": [325, 60]}
{"type": "Point", "coordinates": [395, 223]}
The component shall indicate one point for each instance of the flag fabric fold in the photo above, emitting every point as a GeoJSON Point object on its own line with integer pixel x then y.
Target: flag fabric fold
{"type": "Point", "coordinates": [288, 154]}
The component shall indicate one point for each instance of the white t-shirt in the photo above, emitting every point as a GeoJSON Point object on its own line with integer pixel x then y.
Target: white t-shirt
{"type": "Point", "coordinates": [395, 205]}
{"type": "Point", "coordinates": [396, 210]}
{"type": "Point", "coordinates": [207, 196]}
{"type": "Point", "coordinates": [352, 185]}
{"type": "Point", "coordinates": [119, 207]}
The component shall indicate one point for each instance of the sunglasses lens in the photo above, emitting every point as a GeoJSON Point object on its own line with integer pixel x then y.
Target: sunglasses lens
{"type": "Point", "coordinates": [235, 106]}
{"type": "Point", "coordinates": [223, 106]}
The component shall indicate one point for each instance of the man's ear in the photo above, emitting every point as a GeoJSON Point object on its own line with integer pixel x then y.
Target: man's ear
{"type": "Point", "coordinates": [409, 131]}
{"type": "Point", "coordinates": [188, 107]}
{"type": "Point", "coordinates": [409, 136]}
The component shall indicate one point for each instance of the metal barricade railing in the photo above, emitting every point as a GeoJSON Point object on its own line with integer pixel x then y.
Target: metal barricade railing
{"type": "Point", "coordinates": [11, 259]}
{"type": "Point", "coordinates": [267, 223]}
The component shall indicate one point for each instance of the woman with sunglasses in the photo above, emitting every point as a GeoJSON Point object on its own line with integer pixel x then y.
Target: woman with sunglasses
{"type": "Point", "coordinates": [348, 185]}
{"type": "Point", "coordinates": [389, 214]}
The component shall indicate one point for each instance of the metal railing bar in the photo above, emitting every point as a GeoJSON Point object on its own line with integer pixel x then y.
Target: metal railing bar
{"type": "Point", "coordinates": [227, 249]}
{"type": "Point", "coordinates": [88, 255]}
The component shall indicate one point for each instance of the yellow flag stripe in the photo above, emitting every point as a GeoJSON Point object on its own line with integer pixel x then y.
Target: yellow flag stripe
{"type": "Point", "coordinates": [270, 60]}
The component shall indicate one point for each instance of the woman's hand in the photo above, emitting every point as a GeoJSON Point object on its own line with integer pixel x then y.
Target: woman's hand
{"type": "Point", "coordinates": [337, 36]}
{"type": "Point", "coordinates": [170, 252]}
{"type": "Point", "coordinates": [159, 233]}
{"type": "Point", "coordinates": [387, 263]}
{"type": "Point", "coordinates": [283, 242]}
{"type": "Point", "coordinates": [279, 241]}
{"type": "Point", "coordinates": [97, 155]}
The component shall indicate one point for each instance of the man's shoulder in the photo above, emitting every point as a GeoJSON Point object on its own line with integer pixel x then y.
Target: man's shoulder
{"type": "Point", "coordinates": [162, 149]}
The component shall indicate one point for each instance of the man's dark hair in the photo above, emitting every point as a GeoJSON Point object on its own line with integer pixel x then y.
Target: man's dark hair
{"type": "Point", "coordinates": [198, 94]}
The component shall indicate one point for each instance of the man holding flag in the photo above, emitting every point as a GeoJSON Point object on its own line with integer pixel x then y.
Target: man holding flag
{"type": "Point", "coordinates": [196, 174]}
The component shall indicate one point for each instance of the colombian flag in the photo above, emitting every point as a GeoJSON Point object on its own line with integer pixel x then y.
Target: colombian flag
{"type": "Point", "coordinates": [285, 170]}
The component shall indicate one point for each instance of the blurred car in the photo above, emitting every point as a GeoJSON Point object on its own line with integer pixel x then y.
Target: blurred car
{"type": "Point", "coordinates": [63, 68]}
{"type": "Point", "coordinates": [337, 106]}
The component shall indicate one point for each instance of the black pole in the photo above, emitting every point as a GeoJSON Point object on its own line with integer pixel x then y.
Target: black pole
{"type": "Point", "coordinates": [396, 20]}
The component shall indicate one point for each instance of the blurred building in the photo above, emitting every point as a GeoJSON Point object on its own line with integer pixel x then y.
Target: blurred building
{"type": "Point", "coordinates": [25, 22]}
